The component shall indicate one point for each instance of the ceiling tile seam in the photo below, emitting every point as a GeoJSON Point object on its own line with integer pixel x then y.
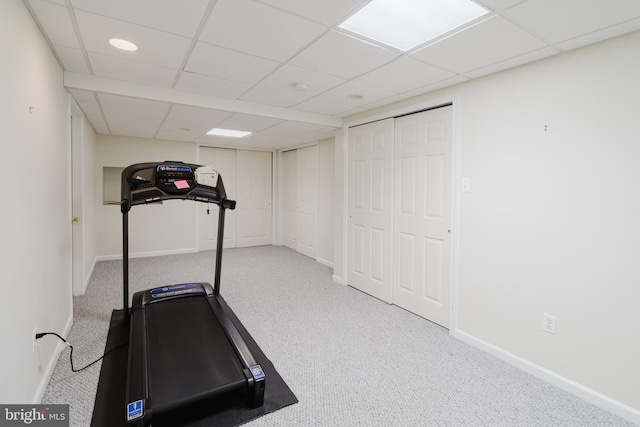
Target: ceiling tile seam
{"type": "Point", "coordinates": [287, 61]}
{"type": "Point", "coordinates": [337, 22]}
{"type": "Point", "coordinates": [466, 73]}
{"type": "Point", "coordinates": [617, 24]}
{"type": "Point", "coordinates": [43, 32]}
{"type": "Point", "coordinates": [131, 23]}
{"type": "Point", "coordinates": [528, 30]}
{"type": "Point", "coordinates": [194, 41]}
{"type": "Point", "coordinates": [164, 119]}
{"type": "Point", "coordinates": [351, 80]}
{"type": "Point", "coordinates": [76, 30]}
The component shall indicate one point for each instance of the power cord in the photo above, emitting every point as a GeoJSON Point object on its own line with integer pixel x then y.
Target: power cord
{"type": "Point", "coordinates": [42, 334]}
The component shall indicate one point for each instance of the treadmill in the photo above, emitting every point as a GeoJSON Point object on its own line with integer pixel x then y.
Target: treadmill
{"type": "Point", "coordinates": [185, 352]}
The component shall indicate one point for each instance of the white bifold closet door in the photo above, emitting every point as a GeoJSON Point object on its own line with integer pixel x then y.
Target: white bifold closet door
{"type": "Point", "coordinates": [422, 214]}
{"type": "Point", "coordinates": [254, 198]}
{"type": "Point", "coordinates": [370, 198]}
{"type": "Point", "coordinates": [399, 211]}
{"type": "Point", "coordinates": [247, 179]}
{"type": "Point", "coordinates": [300, 200]}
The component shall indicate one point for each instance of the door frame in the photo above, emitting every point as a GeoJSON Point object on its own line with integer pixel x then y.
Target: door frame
{"type": "Point", "coordinates": [454, 101]}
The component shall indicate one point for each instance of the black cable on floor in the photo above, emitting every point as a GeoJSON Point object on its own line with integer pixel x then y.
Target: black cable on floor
{"type": "Point", "coordinates": [42, 334]}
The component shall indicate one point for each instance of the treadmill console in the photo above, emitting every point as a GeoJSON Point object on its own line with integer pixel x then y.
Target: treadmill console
{"type": "Point", "coordinates": [154, 182]}
{"type": "Point", "coordinates": [175, 179]}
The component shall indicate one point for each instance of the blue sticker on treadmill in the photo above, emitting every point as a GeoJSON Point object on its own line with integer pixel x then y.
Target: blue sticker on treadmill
{"type": "Point", "coordinates": [257, 372]}
{"type": "Point", "coordinates": [134, 410]}
{"type": "Point", "coordinates": [173, 288]}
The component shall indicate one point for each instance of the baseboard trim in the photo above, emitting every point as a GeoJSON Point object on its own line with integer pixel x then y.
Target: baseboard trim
{"type": "Point", "coordinates": [338, 280]}
{"type": "Point", "coordinates": [325, 262]}
{"type": "Point", "coordinates": [589, 395]}
{"type": "Point", "coordinates": [147, 254]}
{"type": "Point", "coordinates": [48, 372]}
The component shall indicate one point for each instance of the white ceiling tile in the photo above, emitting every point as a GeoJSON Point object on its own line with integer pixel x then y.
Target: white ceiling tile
{"type": "Point", "coordinates": [558, 21]}
{"type": "Point", "coordinates": [227, 64]}
{"type": "Point", "coordinates": [513, 62]}
{"type": "Point", "coordinates": [439, 85]}
{"type": "Point", "coordinates": [286, 76]}
{"type": "Point", "coordinates": [192, 82]}
{"type": "Point", "coordinates": [283, 130]}
{"type": "Point", "coordinates": [488, 42]}
{"type": "Point", "coordinates": [72, 59]}
{"type": "Point", "coordinates": [321, 106]}
{"type": "Point", "coordinates": [166, 15]}
{"type": "Point", "coordinates": [327, 12]}
{"type": "Point", "coordinates": [343, 95]}
{"type": "Point", "coordinates": [197, 120]}
{"type": "Point", "coordinates": [123, 69]}
{"type": "Point", "coordinates": [403, 75]}
{"type": "Point", "coordinates": [155, 47]}
{"type": "Point", "coordinates": [499, 4]}
{"type": "Point", "coordinates": [247, 122]}
{"type": "Point", "coordinates": [268, 96]}
{"type": "Point", "coordinates": [132, 116]}
{"type": "Point", "coordinates": [56, 22]}
{"type": "Point", "coordinates": [257, 29]}
{"type": "Point", "coordinates": [176, 135]}
{"type": "Point", "coordinates": [342, 55]}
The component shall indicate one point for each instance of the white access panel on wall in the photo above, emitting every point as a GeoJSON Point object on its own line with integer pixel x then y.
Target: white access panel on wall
{"type": "Point", "coordinates": [253, 198]}
{"type": "Point", "coordinates": [422, 213]}
{"type": "Point", "coordinates": [370, 208]}
{"type": "Point", "coordinates": [224, 161]}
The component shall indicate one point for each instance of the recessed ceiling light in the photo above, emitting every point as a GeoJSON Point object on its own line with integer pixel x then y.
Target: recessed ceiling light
{"type": "Point", "coordinates": [301, 87]}
{"type": "Point", "coordinates": [228, 132]}
{"type": "Point", "coordinates": [405, 24]}
{"type": "Point", "coordinates": [123, 45]}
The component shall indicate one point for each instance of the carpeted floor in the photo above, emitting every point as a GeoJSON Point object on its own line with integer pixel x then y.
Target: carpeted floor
{"type": "Point", "coordinates": [350, 359]}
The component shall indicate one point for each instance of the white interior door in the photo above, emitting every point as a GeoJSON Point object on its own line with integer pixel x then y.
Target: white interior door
{"type": "Point", "coordinates": [254, 198]}
{"type": "Point", "coordinates": [370, 208]}
{"type": "Point", "coordinates": [290, 198]}
{"type": "Point", "coordinates": [422, 239]}
{"type": "Point", "coordinates": [77, 204]}
{"type": "Point", "coordinates": [307, 207]}
{"type": "Point", "coordinates": [224, 161]}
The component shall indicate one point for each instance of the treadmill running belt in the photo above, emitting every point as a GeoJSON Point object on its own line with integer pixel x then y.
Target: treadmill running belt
{"type": "Point", "coordinates": [205, 364]}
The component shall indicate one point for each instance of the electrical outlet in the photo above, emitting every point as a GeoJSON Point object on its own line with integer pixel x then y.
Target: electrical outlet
{"type": "Point", "coordinates": [549, 323]}
{"type": "Point", "coordinates": [33, 337]}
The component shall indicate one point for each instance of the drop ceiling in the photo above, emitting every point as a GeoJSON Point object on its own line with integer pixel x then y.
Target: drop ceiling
{"type": "Point", "coordinates": [234, 63]}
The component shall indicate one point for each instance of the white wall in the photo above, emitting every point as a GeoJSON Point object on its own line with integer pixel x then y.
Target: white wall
{"type": "Point", "coordinates": [153, 229]}
{"type": "Point", "coordinates": [325, 201]}
{"type": "Point", "coordinates": [35, 225]}
{"type": "Point", "coordinates": [551, 223]}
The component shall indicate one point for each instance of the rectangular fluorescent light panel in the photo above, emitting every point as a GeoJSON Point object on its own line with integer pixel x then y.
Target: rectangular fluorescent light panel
{"type": "Point", "coordinates": [228, 133]}
{"type": "Point", "coordinates": [405, 24]}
